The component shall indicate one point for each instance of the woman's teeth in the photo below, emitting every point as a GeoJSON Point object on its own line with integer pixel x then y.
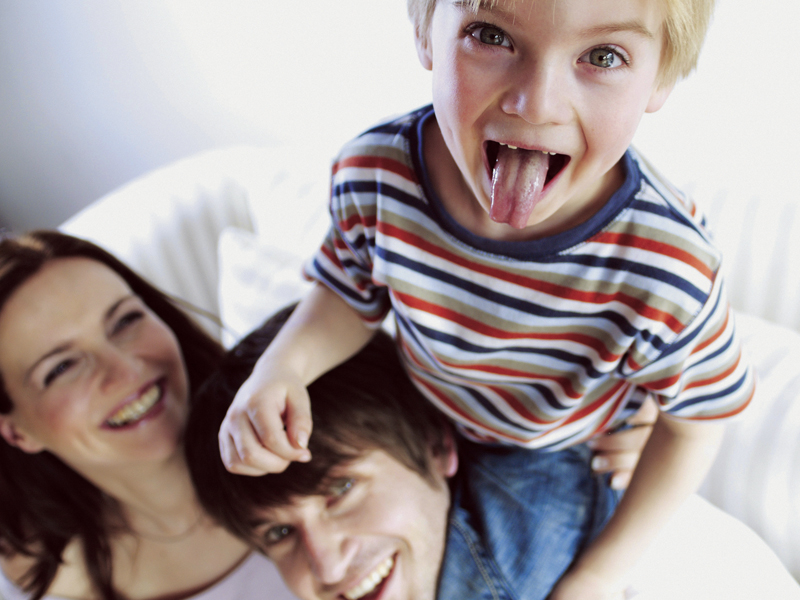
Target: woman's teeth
{"type": "Point", "coordinates": [134, 410]}
{"type": "Point", "coordinates": [371, 581]}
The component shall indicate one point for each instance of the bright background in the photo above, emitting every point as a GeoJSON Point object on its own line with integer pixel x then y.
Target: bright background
{"type": "Point", "coordinates": [96, 92]}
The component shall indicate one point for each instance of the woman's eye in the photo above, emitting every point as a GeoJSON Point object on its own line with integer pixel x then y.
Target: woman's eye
{"type": "Point", "coordinates": [605, 58]}
{"type": "Point", "coordinates": [491, 36]}
{"type": "Point", "coordinates": [128, 319]}
{"type": "Point", "coordinates": [59, 369]}
{"type": "Point", "coordinates": [275, 534]}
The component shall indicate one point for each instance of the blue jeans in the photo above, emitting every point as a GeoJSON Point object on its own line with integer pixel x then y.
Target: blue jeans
{"type": "Point", "coordinates": [518, 519]}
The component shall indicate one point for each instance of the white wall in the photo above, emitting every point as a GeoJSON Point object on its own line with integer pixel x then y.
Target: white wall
{"type": "Point", "coordinates": [96, 92]}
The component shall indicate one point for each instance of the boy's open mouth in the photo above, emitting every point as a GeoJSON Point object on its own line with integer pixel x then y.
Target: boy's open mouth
{"type": "Point", "coordinates": [519, 177]}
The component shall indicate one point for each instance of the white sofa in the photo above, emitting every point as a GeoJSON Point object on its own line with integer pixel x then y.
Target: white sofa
{"type": "Point", "coordinates": [228, 229]}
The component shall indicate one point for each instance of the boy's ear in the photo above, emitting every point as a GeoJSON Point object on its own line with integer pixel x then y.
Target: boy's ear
{"type": "Point", "coordinates": [658, 97]}
{"type": "Point", "coordinates": [423, 44]}
{"type": "Point", "coordinates": [12, 434]}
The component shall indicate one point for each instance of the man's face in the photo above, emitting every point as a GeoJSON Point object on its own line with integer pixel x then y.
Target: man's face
{"type": "Point", "coordinates": [378, 534]}
{"type": "Point", "coordinates": [536, 102]}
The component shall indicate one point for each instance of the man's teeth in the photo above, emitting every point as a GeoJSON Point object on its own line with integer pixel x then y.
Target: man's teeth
{"type": "Point", "coordinates": [515, 147]}
{"type": "Point", "coordinates": [134, 410]}
{"type": "Point", "coordinates": [371, 581]}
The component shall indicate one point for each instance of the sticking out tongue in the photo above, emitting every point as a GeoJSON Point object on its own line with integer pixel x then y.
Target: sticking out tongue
{"type": "Point", "coordinates": [517, 181]}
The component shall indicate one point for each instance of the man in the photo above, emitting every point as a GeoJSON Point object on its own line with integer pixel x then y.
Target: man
{"type": "Point", "coordinates": [392, 505]}
{"type": "Point", "coordinates": [383, 493]}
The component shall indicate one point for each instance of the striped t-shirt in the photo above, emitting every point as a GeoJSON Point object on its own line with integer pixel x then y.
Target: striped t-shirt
{"type": "Point", "coordinates": [538, 343]}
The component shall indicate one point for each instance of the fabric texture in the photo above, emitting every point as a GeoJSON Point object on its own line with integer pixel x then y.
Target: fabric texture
{"type": "Point", "coordinates": [539, 343]}
{"type": "Point", "coordinates": [519, 518]}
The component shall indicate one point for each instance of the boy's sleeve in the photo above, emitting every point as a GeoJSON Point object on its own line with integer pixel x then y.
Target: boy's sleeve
{"type": "Point", "coordinates": [702, 374]}
{"type": "Point", "coordinates": [344, 262]}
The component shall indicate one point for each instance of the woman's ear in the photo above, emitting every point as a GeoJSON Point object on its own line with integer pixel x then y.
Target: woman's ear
{"type": "Point", "coordinates": [12, 434]}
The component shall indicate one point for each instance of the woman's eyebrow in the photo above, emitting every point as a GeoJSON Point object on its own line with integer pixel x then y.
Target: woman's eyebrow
{"type": "Point", "coordinates": [66, 346]}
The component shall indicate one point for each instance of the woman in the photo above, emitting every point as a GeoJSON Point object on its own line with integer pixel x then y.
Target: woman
{"type": "Point", "coordinates": [97, 368]}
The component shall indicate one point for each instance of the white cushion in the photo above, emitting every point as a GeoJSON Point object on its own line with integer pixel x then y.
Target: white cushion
{"type": "Point", "coordinates": [756, 476]}
{"type": "Point", "coordinates": [256, 279]}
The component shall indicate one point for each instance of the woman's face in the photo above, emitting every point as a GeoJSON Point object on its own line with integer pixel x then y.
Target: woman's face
{"type": "Point", "coordinates": [93, 375]}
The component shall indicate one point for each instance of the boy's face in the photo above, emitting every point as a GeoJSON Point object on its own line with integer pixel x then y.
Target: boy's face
{"type": "Point", "coordinates": [565, 81]}
{"type": "Point", "coordinates": [380, 532]}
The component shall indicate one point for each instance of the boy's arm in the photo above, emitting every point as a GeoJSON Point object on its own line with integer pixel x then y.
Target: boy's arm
{"type": "Point", "coordinates": [269, 421]}
{"type": "Point", "coordinates": [673, 465]}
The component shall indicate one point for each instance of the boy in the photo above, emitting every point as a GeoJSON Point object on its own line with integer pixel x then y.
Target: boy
{"type": "Point", "coordinates": [544, 279]}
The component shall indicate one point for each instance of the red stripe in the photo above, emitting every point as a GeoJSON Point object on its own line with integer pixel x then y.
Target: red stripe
{"type": "Point", "coordinates": [716, 378]}
{"type": "Point", "coordinates": [714, 337]}
{"type": "Point", "coordinates": [730, 413]}
{"type": "Point", "coordinates": [502, 334]}
{"type": "Point", "coordinates": [558, 291]}
{"type": "Point", "coordinates": [357, 219]}
{"type": "Point", "coordinates": [634, 241]}
{"type": "Point", "coordinates": [376, 162]}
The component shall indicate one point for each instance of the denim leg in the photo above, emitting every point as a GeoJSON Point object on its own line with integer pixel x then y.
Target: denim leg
{"type": "Point", "coordinates": [533, 511]}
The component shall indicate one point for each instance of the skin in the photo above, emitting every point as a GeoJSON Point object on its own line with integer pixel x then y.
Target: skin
{"type": "Point", "coordinates": [522, 73]}
{"type": "Point", "coordinates": [75, 346]}
{"type": "Point", "coordinates": [324, 546]}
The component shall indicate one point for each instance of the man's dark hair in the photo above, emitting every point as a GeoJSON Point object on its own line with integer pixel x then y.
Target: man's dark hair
{"type": "Point", "coordinates": [367, 403]}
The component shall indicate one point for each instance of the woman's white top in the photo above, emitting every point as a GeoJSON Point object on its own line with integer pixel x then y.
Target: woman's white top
{"type": "Point", "coordinates": [256, 578]}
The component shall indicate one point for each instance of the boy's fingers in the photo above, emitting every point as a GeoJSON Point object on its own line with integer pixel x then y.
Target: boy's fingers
{"type": "Point", "coordinates": [646, 415]}
{"type": "Point", "coordinates": [625, 440]}
{"type": "Point", "coordinates": [614, 461]}
{"type": "Point", "coordinates": [268, 431]}
{"type": "Point", "coordinates": [299, 423]}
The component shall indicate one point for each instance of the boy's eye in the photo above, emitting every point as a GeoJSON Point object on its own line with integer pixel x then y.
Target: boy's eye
{"type": "Point", "coordinates": [491, 36]}
{"type": "Point", "coordinates": [604, 57]}
{"type": "Point", "coordinates": [59, 369]}
{"type": "Point", "coordinates": [275, 534]}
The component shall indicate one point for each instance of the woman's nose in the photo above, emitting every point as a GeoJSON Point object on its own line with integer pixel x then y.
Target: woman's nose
{"type": "Point", "coordinates": [118, 367]}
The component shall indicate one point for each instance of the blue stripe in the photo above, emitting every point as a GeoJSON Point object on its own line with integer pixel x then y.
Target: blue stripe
{"type": "Point", "coordinates": [729, 391]}
{"type": "Point", "coordinates": [511, 302]}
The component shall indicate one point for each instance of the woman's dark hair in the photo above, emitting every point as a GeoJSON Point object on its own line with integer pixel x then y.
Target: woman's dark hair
{"type": "Point", "coordinates": [44, 504]}
{"type": "Point", "coordinates": [366, 403]}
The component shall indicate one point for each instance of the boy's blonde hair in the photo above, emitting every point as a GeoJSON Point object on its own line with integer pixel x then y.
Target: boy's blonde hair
{"type": "Point", "coordinates": [685, 26]}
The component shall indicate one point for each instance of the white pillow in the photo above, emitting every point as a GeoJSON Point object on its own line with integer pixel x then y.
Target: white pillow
{"type": "Point", "coordinates": [756, 476]}
{"type": "Point", "coordinates": [256, 279]}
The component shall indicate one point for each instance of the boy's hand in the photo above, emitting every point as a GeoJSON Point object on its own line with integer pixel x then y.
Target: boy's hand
{"type": "Point", "coordinates": [619, 452]}
{"type": "Point", "coordinates": [268, 423]}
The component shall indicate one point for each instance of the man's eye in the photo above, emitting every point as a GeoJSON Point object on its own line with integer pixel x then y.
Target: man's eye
{"type": "Point", "coordinates": [56, 371]}
{"type": "Point", "coordinates": [604, 57]}
{"type": "Point", "coordinates": [275, 534]}
{"type": "Point", "coordinates": [340, 487]}
{"type": "Point", "coordinates": [491, 36]}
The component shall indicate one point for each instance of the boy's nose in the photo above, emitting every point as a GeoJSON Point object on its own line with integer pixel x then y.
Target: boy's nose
{"type": "Point", "coordinates": [539, 94]}
{"type": "Point", "coordinates": [329, 552]}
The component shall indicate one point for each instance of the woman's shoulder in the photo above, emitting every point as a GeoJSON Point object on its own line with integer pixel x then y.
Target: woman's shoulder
{"type": "Point", "coordinates": [255, 578]}
{"type": "Point", "coordinates": [71, 579]}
